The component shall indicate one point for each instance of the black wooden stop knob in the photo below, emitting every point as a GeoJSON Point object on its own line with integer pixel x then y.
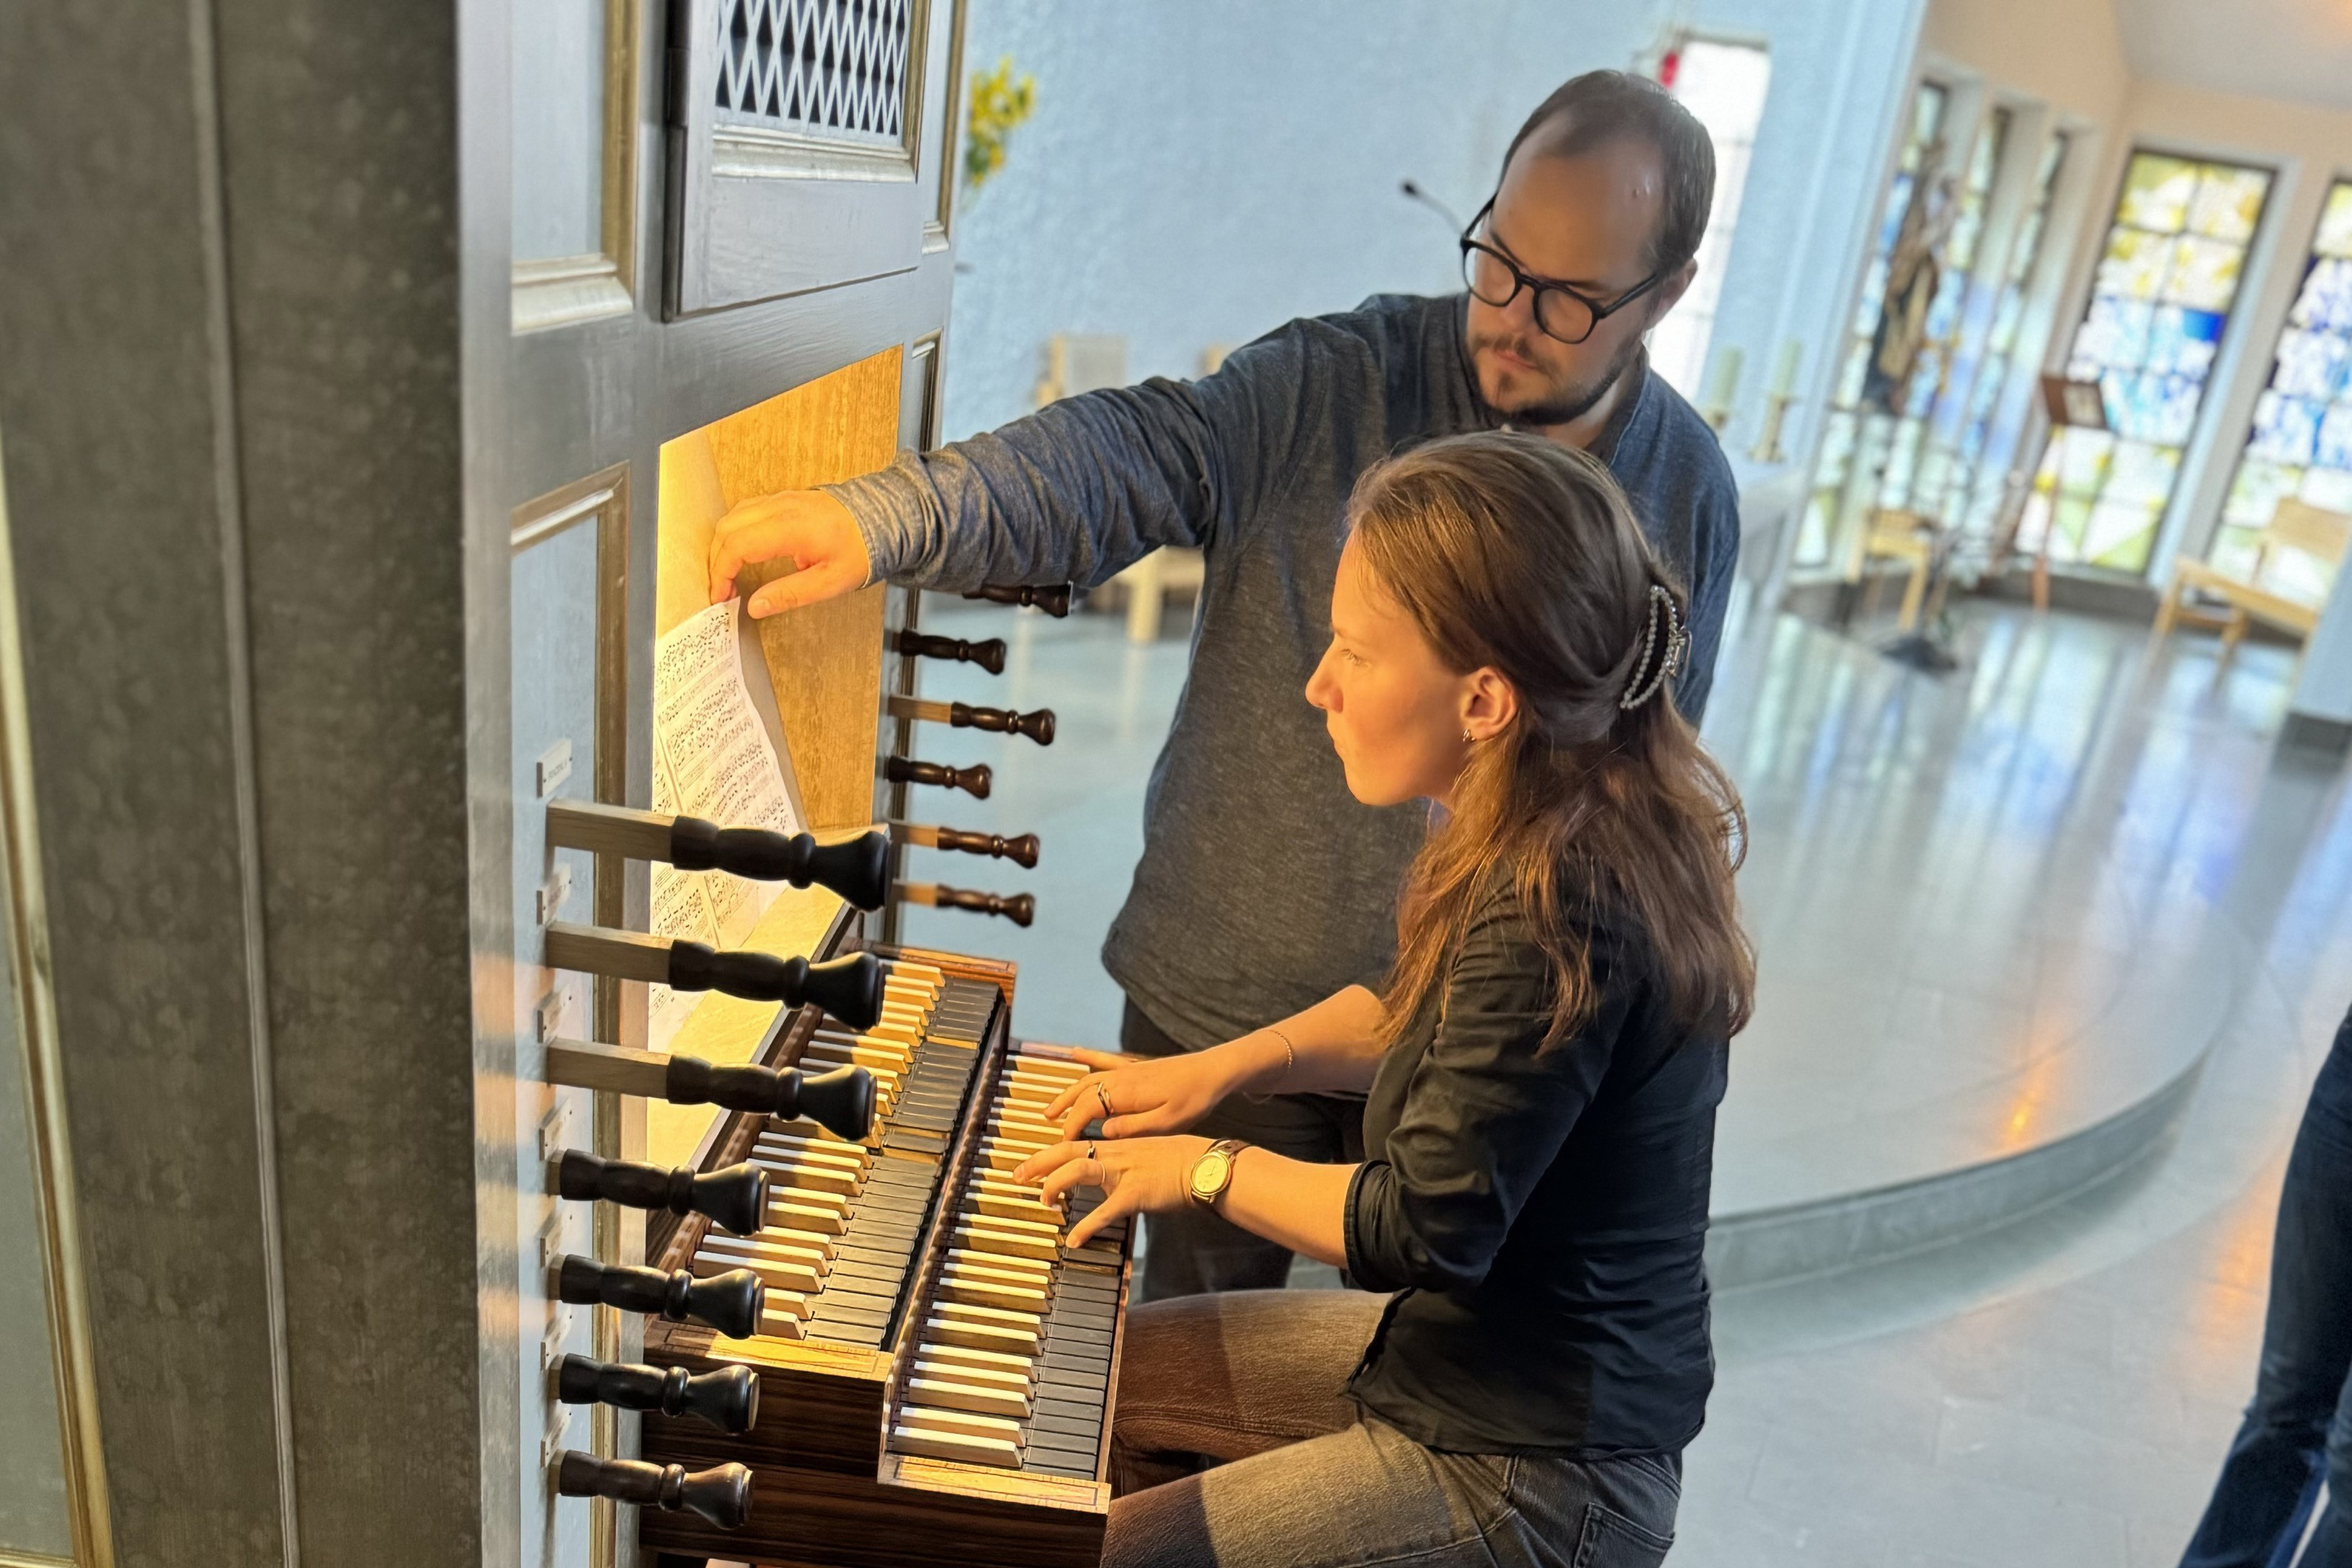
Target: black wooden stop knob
{"type": "Point", "coordinates": [1021, 851]}
{"type": "Point", "coordinates": [974, 781]}
{"type": "Point", "coordinates": [722, 1494]}
{"type": "Point", "coordinates": [1053, 598]}
{"type": "Point", "coordinates": [1038, 725]}
{"type": "Point", "coordinates": [730, 1302]}
{"type": "Point", "coordinates": [728, 1398]}
{"type": "Point", "coordinates": [858, 869]}
{"type": "Point", "coordinates": [1019, 908]}
{"type": "Point", "coordinates": [848, 988]}
{"type": "Point", "coordinates": [989, 653]}
{"type": "Point", "coordinates": [736, 1197]}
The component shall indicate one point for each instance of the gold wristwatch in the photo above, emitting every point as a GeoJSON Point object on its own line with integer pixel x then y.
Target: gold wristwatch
{"type": "Point", "coordinates": [1213, 1172]}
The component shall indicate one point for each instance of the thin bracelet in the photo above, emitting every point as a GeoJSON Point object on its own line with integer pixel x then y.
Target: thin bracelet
{"type": "Point", "coordinates": [1289, 1060]}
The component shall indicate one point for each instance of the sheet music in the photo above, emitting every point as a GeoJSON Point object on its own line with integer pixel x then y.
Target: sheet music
{"type": "Point", "coordinates": [712, 759]}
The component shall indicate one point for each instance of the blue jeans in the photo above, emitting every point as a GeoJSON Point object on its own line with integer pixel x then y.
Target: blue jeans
{"type": "Point", "coordinates": [1233, 1447]}
{"type": "Point", "coordinates": [2298, 1431]}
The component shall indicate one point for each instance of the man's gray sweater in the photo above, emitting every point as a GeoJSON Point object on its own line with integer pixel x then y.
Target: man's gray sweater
{"type": "Point", "coordinates": [1263, 886]}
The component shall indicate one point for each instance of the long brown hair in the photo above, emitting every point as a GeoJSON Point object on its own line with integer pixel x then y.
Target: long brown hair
{"type": "Point", "coordinates": [1514, 553]}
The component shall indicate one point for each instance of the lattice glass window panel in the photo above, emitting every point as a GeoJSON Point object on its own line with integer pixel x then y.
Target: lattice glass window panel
{"type": "Point", "coordinates": [2174, 258]}
{"type": "Point", "coordinates": [1723, 86]}
{"type": "Point", "coordinates": [834, 69]}
{"type": "Point", "coordinates": [2300, 443]}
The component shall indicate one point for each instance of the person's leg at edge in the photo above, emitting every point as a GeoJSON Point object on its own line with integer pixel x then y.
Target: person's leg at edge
{"type": "Point", "coordinates": [1207, 1379]}
{"type": "Point", "coordinates": [2298, 1430]}
{"type": "Point", "coordinates": [1188, 1253]}
{"type": "Point", "coordinates": [1233, 1447]}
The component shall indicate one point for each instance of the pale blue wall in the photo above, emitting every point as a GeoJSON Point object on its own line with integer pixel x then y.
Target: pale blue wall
{"type": "Point", "coordinates": [1199, 171]}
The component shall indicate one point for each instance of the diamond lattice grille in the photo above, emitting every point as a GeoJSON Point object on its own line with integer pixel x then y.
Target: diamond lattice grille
{"type": "Point", "coordinates": [835, 68]}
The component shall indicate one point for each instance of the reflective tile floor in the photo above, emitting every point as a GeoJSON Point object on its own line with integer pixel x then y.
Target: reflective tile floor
{"type": "Point", "coordinates": [1989, 908]}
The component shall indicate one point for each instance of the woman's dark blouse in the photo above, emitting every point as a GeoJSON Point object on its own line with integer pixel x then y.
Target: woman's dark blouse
{"type": "Point", "coordinates": [1541, 1213]}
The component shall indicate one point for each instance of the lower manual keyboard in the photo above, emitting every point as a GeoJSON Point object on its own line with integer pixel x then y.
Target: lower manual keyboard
{"type": "Point", "coordinates": [846, 1221]}
{"type": "Point", "coordinates": [1012, 1363]}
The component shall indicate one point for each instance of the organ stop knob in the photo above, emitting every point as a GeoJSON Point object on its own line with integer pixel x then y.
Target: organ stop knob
{"type": "Point", "coordinates": [1022, 851]}
{"type": "Point", "coordinates": [1053, 598]}
{"type": "Point", "coordinates": [989, 654]}
{"type": "Point", "coordinates": [1038, 725]}
{"type": "Point", "coordinates": [856, 868]}
{"type": "Point", "coordinates": [736, 1197]}
{"type": "Point", "coordinates": [841, 1100]}
{"type": "Point", "coordinates": [974, 781]}
{"type": "Point", "coordinates": [727, 1398]}
{"type": "Point", "coordinates": [1018, 908]}
{"type": "Point", "coordinates": [722, 1494]}
{"type": "Point", "coordinates": [848, 988]}
{"type": "Point", "coordinates": [730, 1302]}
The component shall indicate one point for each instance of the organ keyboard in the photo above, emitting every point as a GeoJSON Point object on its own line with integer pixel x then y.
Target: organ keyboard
{"type": "Point", "coordinates": [940, 1367]}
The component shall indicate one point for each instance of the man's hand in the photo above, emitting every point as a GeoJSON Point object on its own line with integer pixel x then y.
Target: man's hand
{"type": "Point", "coordinates": [811, 528]}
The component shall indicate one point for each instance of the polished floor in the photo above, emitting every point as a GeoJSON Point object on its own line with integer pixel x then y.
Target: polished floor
{"type": "Point", "coordinates": [1991, 909]}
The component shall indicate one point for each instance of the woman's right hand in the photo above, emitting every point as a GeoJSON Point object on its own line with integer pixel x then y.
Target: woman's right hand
{"type": "Point", "coordinates": [1137, 1096]}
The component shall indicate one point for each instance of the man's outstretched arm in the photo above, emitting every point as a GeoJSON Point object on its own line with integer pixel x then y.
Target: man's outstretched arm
{"type": "Point", "coordinates": [1071, 493]}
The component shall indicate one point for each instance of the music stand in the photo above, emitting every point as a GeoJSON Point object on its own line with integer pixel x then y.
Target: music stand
{"type": "Point", "coordinates": [2071, 406]}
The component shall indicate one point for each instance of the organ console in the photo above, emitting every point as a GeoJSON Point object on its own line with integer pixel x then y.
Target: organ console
{"type": "Point", "coordinates": [593, 1072]}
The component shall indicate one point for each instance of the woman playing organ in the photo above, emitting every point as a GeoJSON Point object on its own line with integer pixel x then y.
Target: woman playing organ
{"type": "Point", "coordinates": [1543, 1070]}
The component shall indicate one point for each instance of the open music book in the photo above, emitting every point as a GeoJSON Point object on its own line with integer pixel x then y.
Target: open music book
{"type": "Point", "coordinates": [713, 758]}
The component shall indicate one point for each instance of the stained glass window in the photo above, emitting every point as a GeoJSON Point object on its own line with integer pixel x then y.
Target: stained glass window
{"type": "Point", "coordinates": [2301, 444]}
{"type": "Point", "coordinates": [1918, 468]}
{"type": "Point", "coordinates": [1979, 483]}
{"type": "Point", "coordinates": [1921, 158]}
{"type": "Point", "coordinates": [2164, 285]}
{"type": "Point", "coordinates": [1723, 85]}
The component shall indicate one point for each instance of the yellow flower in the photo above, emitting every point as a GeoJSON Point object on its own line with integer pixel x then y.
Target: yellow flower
{"type": "Point", "coordinates": [999, 102]}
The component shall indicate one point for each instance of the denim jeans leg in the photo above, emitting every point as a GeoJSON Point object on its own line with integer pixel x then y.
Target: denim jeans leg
{"type": "Point", "coordinates": [2272, 1478]}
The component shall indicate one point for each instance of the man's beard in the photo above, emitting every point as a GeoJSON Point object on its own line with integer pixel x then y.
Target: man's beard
{"type": "Point", "coordinates": [1573, 404]}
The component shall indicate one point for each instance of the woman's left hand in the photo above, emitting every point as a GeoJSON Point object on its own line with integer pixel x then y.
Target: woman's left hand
{"type": "Point", "coordinates": [1137, 1175]}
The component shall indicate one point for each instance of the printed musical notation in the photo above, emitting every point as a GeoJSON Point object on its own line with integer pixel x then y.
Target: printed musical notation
{"type": "Point", "coordinates": [712, 759]}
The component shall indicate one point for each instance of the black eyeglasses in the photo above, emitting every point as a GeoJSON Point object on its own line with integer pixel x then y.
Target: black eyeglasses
{"type": "Point", "coordinates": [1561, 311]}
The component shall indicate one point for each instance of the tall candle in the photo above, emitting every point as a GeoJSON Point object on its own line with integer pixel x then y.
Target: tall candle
{"type": "Point", "coordinates": [1784, 373]}
{"type": "Point", "coordinates": [1724, 385]}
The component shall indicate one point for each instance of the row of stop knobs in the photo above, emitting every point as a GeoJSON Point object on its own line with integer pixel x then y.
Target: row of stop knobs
{"type": "Point", "coordinates": [842, 1100]}
{"type": "Point", "coordinates": [989, 654]}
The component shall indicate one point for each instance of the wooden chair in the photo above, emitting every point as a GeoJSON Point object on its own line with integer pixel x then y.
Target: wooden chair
{"type": "Point", "coordinates": [1905, 536]}
{"type": "Point", "coordinates": [2263, 594]}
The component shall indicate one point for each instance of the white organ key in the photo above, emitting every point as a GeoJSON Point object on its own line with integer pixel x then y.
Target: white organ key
{"type": "Point", "coordinates": [981, 1400]}
{"type": "Point", "coordinates": [945, 1330]}
{"type": "Point", "coordinates": [972, 1376]}
{"type": "Point", "coordinates": [1021, 1367]}
{"type": "Point", "coordinates": [936, 1443]}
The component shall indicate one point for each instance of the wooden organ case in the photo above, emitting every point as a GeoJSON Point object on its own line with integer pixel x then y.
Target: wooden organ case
{"type": "Point", "coordinates": [456, 329]}
{"type": "Point", "coordinates": [888, 1357]}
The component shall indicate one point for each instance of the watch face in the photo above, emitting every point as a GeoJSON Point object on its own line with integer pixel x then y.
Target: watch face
{"type": "Point", "coordinates": [1209, 1176]}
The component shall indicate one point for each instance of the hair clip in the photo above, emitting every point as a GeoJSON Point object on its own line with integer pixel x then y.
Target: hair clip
{"type": "Point", "coordinates": [1651, 671]}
